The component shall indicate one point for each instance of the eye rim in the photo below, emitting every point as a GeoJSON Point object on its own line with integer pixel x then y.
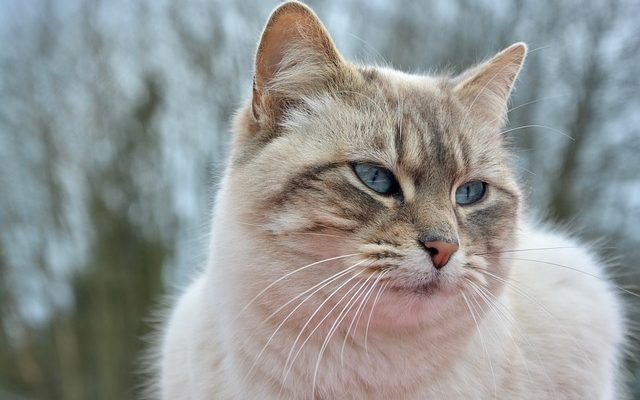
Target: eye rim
{"type": "Point", "coordinates": [483, 195]}
{"type": "Point", "coordinates": [394, 189]}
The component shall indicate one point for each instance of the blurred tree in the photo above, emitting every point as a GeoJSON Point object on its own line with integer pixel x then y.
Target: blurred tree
{"type": "Point", "coordinates": [90, 349]}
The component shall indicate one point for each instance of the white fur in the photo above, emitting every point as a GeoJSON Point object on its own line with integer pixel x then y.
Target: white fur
{"type": "Point", "coordinates": [558, 336]}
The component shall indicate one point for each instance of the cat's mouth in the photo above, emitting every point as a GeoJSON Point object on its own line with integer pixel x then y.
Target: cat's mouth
{"type": "Point", "coordinates": [428, 288]}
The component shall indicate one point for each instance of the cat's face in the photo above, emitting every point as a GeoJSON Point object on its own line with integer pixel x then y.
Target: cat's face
{"type": "Point", "coordinates": [399, 181]}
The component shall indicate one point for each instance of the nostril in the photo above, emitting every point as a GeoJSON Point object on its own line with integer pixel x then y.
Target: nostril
{"type": "Point", "coordinates": [432, 251]}
{"type": "Point", "coordinates": [440, 251]}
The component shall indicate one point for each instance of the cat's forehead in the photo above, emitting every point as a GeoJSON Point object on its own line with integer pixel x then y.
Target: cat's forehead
{"type": "Point", "coordinates": [411, 123]}
{"type": "Point", "coordinates": [426, 101]}
{"type": "Point", "coordinates": [418, 122]}
{"type": "Point", "coordinates": [391, 78]}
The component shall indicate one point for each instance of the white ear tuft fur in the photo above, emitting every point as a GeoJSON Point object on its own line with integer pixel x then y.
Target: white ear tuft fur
{"type": "Point", "coordinates": [485, 89]}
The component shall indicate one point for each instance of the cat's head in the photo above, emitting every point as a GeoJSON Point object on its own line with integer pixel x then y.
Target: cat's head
{"type": "Point", "coordinates": [400, 179]}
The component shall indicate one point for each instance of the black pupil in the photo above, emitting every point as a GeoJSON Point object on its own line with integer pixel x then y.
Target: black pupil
{"type": "Point", "coordinates": [374, 178]}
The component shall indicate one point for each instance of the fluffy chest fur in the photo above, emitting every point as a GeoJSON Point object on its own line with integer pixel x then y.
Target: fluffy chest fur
{"type": "Point", "coordinates": [555, 337]}
{"type": "Point", "coordinates": [368, 243]}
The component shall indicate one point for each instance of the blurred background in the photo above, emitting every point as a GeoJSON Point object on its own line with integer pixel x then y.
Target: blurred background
{"type": "Point", "coordinates": [114, 120]}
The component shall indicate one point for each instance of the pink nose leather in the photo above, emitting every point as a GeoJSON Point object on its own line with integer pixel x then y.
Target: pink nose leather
{"type": "Point", "coordinates": [440, 252]}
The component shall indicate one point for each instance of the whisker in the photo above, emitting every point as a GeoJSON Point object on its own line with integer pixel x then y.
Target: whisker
{"type": "Point", "coordinates": [513, 285]}
{"type": "Point", "coordinates": [318, 234]}
{"type": "Point", "coordinates": [288, 365]}
{"type": "Point", "coordinates": [518, 288]}
{"type": "Point", "coordinates": [484, 347]}
{"type": "Point", "coordinates": [527, 171]}
{"type": "Point", "coordinates": [539, 126]}
{"type": "Point", "coordinates": [353, 319]}
{"type": "Point", "coordinates": [537, 249]}
{"type": "Point", "coordinates": [477, 290]}
{"type": "Point", "coordinates": [370, 47]}
{"type": "Point", "coordinates": [576, 270]}
{"type": "Point", "coordinates": [375, 301]}
{"type": "Point", "coordinates": [321, 285]}
{"type": "Point", "coordinates": [536, 101]}
{"type": "Point", "coordinates": [526, 104]}
{"type": "Point", "coordinates": [493, 302]}
{"type": "Point", "coordinates": [546, 46]}
{"type": "Point", "coordinates": [332, 330]}
{"type": "Point", "coordinates": [288, 274]}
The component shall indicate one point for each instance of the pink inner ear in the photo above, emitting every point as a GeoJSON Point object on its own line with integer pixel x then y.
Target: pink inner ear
{"type": "Point", "coordinates": [295, 56]}
{"type": "Point", "coordinates": [278, 34]}
{"type": "Point", "coordinates": [292, 25]}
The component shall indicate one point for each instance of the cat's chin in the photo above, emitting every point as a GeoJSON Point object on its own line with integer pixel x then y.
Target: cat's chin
{"type": "Point", "coordinates": [414, 305]}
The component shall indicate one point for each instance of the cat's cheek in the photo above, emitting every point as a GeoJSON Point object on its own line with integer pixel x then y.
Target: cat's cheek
{"type": "Point", "coordinates": [325, 245]}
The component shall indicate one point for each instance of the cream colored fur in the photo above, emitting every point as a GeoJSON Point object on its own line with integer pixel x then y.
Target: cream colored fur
{"type": "Point", "coordinates": [557, 336]}
{"type": "Point", "coordinates": [504, 322]}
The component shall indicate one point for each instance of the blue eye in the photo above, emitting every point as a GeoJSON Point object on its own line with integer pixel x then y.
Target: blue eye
{"type": "Point", "coordinates": [470, 192]}
{"type": "Point", "coordinates": [376, 178]}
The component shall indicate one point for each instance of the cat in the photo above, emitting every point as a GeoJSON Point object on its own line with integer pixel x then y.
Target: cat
{"type": "Point", "coordinates": [369, 242]}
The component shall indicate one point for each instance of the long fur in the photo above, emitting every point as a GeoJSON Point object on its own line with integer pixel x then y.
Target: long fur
{"type": "Point", "coordinates": [318, 287]}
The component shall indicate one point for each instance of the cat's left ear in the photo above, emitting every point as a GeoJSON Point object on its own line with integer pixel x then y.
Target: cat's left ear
{"type": "Point", "coordinates": [485, 89]}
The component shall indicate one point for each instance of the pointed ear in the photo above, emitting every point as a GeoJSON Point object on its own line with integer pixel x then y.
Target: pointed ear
{"type": "Point", "coordinates": [295, 57]}
{"type": "Point", "coordinates": [485, 89]}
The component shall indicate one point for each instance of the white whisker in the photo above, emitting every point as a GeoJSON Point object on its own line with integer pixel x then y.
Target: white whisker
{"type": "Point", "coordinates": [539, 126]}
{"type": "Point", "coordinates": [508, 322]}
{"type": "Point", "coordinates": [353, 319]}
{"type": "Point", "coordinates": [484, 347]}
{"type": "Point", "coordinates": [288, 274]}
{"type": "Point", "coordinates": [375, 301]}
{"type": "Point", "coordinates": [341, 316]}
{"type": "Point", "coordinates": [317, 287]}
{"type": "Point", "coordinates": [289, 362]}
{"type": "Point", "coordinates": [517, 287]}
{"type": "Point", "coordinates": [536, 101]}
{"type": "Point", "coordinates": [575, 270]}
{"type": "Point", "coordinates": [535, 249]}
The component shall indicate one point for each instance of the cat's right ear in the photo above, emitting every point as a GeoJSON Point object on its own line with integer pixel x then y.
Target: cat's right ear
{"type": "Point", "coordinates": [296, 57]}
{"type": "Point", "coordinates": [485, 89]}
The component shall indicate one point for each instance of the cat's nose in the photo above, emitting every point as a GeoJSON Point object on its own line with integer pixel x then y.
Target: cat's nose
{"type": "Point", "coordinates": [440, 251]}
